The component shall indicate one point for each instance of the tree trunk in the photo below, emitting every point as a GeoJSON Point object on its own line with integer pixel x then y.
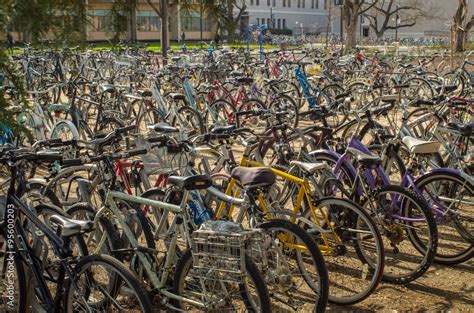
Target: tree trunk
{"type": "Point", "coordinates": [164, 31]}
{"type": "Point", "coordinates": [329, 23]}
{"type": "Point", "coordinates": [230, 25]}
{"type": "Point", "coordinates": [350, 29]}
{"type": "Point", "coordinates": [460, 40]}
{"type": "Point", "coordinates": [133, 20]}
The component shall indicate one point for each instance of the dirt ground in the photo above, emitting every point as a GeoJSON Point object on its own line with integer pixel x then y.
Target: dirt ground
{"type": "Point", "coordinates": [442, 288]}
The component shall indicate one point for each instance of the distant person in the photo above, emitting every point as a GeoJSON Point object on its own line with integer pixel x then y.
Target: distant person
{"type": "Point", "coordinates": [183, 39]}
{"type": "Point", "coordinates": [217, 39]}
{"type": "Point", "coordinates": [9, 42]}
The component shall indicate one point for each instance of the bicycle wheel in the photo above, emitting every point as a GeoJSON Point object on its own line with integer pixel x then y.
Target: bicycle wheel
{"type": "Point", "coordinates": [451, 197]}
{"type": "Point", "coordinates": [64, 130]}
{"type": "Point", "coordinates": [339, 114]}
{"type": "Point", "coordinates": [254, 122]}
{"type": "Point", "coordinates": [355, 255]}
{"type": "Point", "coordinates": [287, 110]}
{"type": "Point", "coordinates": [250, 295]}
{"type": "Point", "coordinates": [221, 113]}
{"type": "Point", "coordinates": [418, 88]}
{"type": "Point", "coordinates": [147, 118]}
{"type": "Point", "coordinates": [458, 80]}
{"type": "Point", "coordinates": [104, 230]}
{"type": "Point", "coordinates": [408, 229]}
{"type": "Point", "coordinates": [84, 291]}
{"type": "Point", "coordinates": [189, 121]}
{"type": "Point", "coordinates": [296, 273]}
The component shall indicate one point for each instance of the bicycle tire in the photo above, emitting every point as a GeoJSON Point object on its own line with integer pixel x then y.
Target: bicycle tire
{"type": "Point", "coordinates": [231, 119]}
{"type": "Point", "coordinates": [121, 274]}
{"type": "Point", "coordinates": [290, 106]}
{"type": "Point", "coordinates": [81, 210]}
{"type": "Point", "coordinates": [319, 287]}
{"type": "Point", "coordinates": [396, 237]}
{"type": "Point", "coordinates": [197, 122]}
{"type": "Point", "coordinates": [464, 254]}
{"type": "Point", "coordinates": [344, 221]}
{"type": "Point", "coordinates": [185, 264]}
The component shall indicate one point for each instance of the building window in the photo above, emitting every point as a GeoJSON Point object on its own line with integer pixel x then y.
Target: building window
{"type": "Point", "coordinates": [274, 3]}
{"type": "Point", "coordinates": [251, 2]}
{"type": "Point", "coordinates": [103, 21]}
{"type": "Point", "coordinates": [268, 23]}
{"type": "Point", "coordinates": [289, 3]}
{"type": "Point", "coordinates": [268, 2]}
{"type": "Point", "coordinates": [317, 4]}
{"type": "Point", "coordinates": [257, 2]}
{"type": "Point", "coordinates": [190, 22]}
{"type": "Point", "coordinates": [148, 21]}
{"type": "Point", "coordinates": [325, 4]}
{"type": "Point", "coordinates": [312, 4]}
{"type": "Point", "coordinates": [284, 23]}
{"type": "Point", "coordinates": [303, 1]}
{"type": "Point", "coordinates": [298, 4]}
{"type": "Point", "coordinates": [279, 23]}
{"type": "Point", "coordinates": [284, 3]}
{"type": "Point", "coordinates": [257, 21]}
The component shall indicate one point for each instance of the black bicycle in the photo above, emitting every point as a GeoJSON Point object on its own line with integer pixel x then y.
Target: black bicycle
{"type": "Point", "coordinates": [31, 273]}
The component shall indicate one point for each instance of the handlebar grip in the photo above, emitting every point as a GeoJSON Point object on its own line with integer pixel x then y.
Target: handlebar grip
{"type": "Point", "coordinates": [280, 127]}
{"type": "Point", "coordinates": [250, 112]}
{"type": "Point", "coordinates": [219, 136]}
{"type": "Point", "coordinates": [125, 129]}
{"type": "Point", "coordinates": [342, 95]}
{"type": "Point", "coordinates": [157, 139]}
{"type": "Point", "coordinates": [72, 142]}
{"type": "Point", "coordinates": [49, 142]}
{"type": "Point", "coordinates": [45, 157]}
{"type": "Point", "coordinates": [137, 152]}
{"type": "Point", "coordinates": [72, 162]}
{"type": "Point", "coordinates": [419, 102]}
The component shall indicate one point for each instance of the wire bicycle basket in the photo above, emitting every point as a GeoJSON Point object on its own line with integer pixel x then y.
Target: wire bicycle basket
{"type": "Point", "coordinates": [219, 252]}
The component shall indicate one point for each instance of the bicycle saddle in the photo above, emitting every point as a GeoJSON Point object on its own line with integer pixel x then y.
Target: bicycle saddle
{"type": "Point", "coordinates": [447, 88]}
{"type": "Point", "coordinates": [464, 129]}
{"type": "Point", "coordinates": [365, 159]}
{"type": "Point", "coordinates": [270, 81]}
{"type": "Point", "coordinates": [236, 73]}
{"type": "Point", "coordinates": [177, 96]}
{"type": "Point", "coordinates": [163, 128]}
{"type": "Point", "coordinates": [107, 88]}
{"type": "Point", "coordinates": [223, 129]}
{"type": "Point", "coordinates": [311, 168]}
{"type": "Point", "coordinates": [191, 182]}
{"type": "Point", "coordinates": [418, 146]}
{"type": "Point", "coordinates": [252, 177]}
{"type": "Point", "coordinates": [69, 227]}
{"type": "Point", "coordinates": [146, 93]}
{"type": "Point", "coordinates": [407, 65]}
{"type": "Point", "coordinates": [245, 80]}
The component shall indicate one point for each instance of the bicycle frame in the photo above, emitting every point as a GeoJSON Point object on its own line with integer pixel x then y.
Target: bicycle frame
{"type": "Point", "coordinates": [310, 92]}
{"type": "Point", "coordinates": [52, 303]}
{"type": "Point", "coordinates": [408, 180]}
{"type": "Point", "coordinates": [177, 227]}
{"type": "Point", "coordinates": [304, 194]}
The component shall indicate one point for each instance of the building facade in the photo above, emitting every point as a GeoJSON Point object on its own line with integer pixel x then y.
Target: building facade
{"type": "Point", "coordinates": [307, 16]}
{"type": "Point", "coordinates": [149, 23]}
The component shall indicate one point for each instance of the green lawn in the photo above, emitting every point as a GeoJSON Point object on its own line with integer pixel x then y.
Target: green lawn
{"type": "Point", "coordinates": [176, 46]}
